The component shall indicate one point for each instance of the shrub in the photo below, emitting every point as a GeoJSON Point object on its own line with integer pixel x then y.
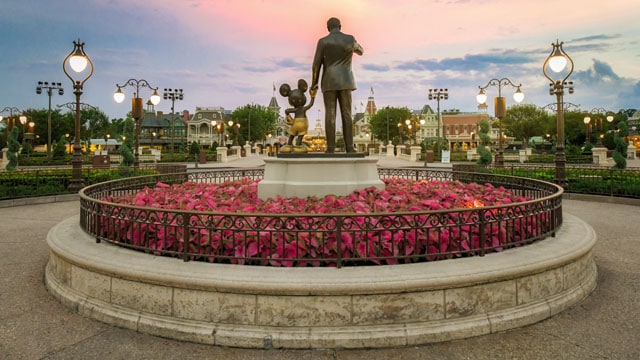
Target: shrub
{"type": "Point", "coordinates": [59, 148]}
{"type": "Point", "coordinates": [14, 148]}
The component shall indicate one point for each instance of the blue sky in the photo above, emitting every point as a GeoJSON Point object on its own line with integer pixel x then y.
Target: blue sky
{"type": "Point", "coordinates": [230, 53]}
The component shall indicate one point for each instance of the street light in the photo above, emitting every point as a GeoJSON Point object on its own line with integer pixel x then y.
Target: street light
{"type": "Point", "coordinates": [10, 120]}
{"type": "Point", "coordinates": [23, 121]}
{"type": "Point", "coordinates": [557, 62]}
{"type": "Point", "coordinates": [32, 126]}
{"type": "Point", "coordinates": [49, 88]}
{"type": "Point", "coordinates": [78, 62]}
{"type": "Point", "coordinates": [173, 95]}
{"type": "Point", "coordinates": [67, 138]}
{"type": "Point", "coordinates": [599, 114]}
{"type": "Point", "coordinates": [412, 126]}
{"type": "Point", "coordinates": [217, 127]}
{"type": "Point", "coordinates": [587, 123]}
{"type": "Point", "coordinates": [136, 108]}
{"type": "Point", "coordinates": [439, 94]}
{"type": "Point", "coordinates": [500, 107]}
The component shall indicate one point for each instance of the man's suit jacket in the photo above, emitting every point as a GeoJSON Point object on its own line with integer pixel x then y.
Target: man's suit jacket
{"type": "Point", "coordinates": [333, 55]}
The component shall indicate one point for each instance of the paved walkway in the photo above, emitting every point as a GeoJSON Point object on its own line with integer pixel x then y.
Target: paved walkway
{"type": "Point", "coordinates": [33, 325]}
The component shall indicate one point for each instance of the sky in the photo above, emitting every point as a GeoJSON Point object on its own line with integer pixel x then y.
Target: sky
{"type": "Point", "coordinates": [228, 53]}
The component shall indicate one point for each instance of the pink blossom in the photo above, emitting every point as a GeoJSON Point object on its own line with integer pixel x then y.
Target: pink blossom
{"type": "Point", "coordinates": [280, 241]}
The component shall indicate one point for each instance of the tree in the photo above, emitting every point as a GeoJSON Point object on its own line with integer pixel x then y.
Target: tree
{"type": "Point", "coordinates": [14, 148]}
{"type": "Point", "coordinates": [384, 123]}
{"type": "Point", "coordinates": [194, 149]}
{"type": "Point", "coordinates": [60, 147]}
{"type": "Point", "coordinates": [485, 139]}
{"type": "Point", "coordinates": [60, 125]}
{"type": "Point", "coordinates": [524, 122]}
{"type": "Point", "coordinates": [127, 143]}
{"type": "Point", "coordinates": [256, 121]}
{"type": "Point", "coordinates": [620, 150]}
{"type": "Point", "coordinates": [620, 153]}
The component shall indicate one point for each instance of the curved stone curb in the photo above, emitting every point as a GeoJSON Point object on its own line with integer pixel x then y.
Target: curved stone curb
{"type": "Point", "coordinates": [356, 307]}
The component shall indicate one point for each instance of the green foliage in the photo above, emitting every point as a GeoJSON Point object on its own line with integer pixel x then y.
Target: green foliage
{"type": "Point", "coordinates": [59, 148]}
{"type": "Point", "coordinates": [14, 148]}
{"type": "Point", "coordinates": [94, 122]}
{"type": "Point", "coordinates": [26, 149]}
{"type": "Point", "coordinates": [384, 123]}
{"type": "Point", "coordinates": [128, 131]}
{"type": "Point", "coordinates": [60, 124]}
{"type": "Point", "coordinates": [483, 134]}
{"type": "Point", "coordinates": [621, 161]}
{"type": "Point", "coordinates": [125, 170]}
{"type": "Point", "coordinates": [572, 150]}
{"type": "Point", "coordinates": [127, 157]}
{"type": "Point", "coordinates": [257, 119]}
{"type": "Point", "coordinates": [125, 151]}
{"type": "Point", "coordinates": [524, 121]}
{"type": "Point", "coordinates": [175, 157]}
{"type": "Point", "coordinates": [435, 144]}
{"type": "Point", "coordinates": [194, 148]}
{"type": "Point", "coordinates": [620, 153]}
{"type": "Point", "coordinates": [574, 128]}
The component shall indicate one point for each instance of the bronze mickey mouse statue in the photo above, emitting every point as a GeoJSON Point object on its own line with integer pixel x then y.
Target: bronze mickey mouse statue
{"type": "Point", "coordinates": [298, 125]}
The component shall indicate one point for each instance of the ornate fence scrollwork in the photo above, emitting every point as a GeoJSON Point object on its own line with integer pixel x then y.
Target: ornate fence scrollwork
{"type": "Point", "coordinates": [321, 239]}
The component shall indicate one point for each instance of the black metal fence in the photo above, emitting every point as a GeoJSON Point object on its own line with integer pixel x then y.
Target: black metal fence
{"type": "Point", "coordinates": [583, 179]}
{"type": "Point", "coordinates": [321, 239]}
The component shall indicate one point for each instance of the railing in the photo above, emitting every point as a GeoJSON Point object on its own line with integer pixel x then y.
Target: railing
{"type": "Point", "coordinates": [321, 239]}
{"type": "Point", "coordinates": [583, 179]}
{"type": "Point", "coordinates": [42, 181]}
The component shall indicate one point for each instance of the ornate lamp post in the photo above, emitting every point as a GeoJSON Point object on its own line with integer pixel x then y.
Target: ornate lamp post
{"type": "Point", "coordinates": [136, 108]}
{"type": "Point", "coordinates": [500, 107]}
{"type": "Point", "coordinates": [235, 129]}
{"type": "Point", "coordinates": [10, 120]}
{"type": "Point", "coordinates": [67, 138]}
{"type": "Point", "coordinates": [599, 114]}
{"type": "Point", "coordinates": [23, 122]}
{"type": "Point", "coordinates": [173, 95]}
{"type": "Point", "coordinates": [587, 123]}
{"type": "Point", "coordinates": [49, 88]}
{"type": "Point", "coordinates": [437, 95]}
{"type": "Point", "coordinates": [409, 129]}
{"type": "Point", "coordinates": [79, 63]}
{"type": "Point", "coordinates": [557, 62]}
{"type": "Point", "coordinates": [218, 128]}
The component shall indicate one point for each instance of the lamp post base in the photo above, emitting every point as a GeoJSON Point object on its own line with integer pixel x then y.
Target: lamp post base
{"type": "Point", "coordinates": [499, 158]}
{"type": "Point", "coordinates": [77, 182]}
{"type": "Point", "coordinates": [561, 176]}
{"type": "Point", "coordinates": [75, 185]}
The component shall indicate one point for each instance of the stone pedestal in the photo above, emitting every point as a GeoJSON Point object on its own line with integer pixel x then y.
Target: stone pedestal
{"type": "Point", "coordinates": [317, 175]}
{"type": "Point", "coordinates": [631, 152]}
{"type": "Point", "coordinates": [522, 156]}
{"type": "Point", "coordinates": [390, 150]}
{"type": "Point", "coordinates": [415, 153]}
{"type": "Point", "coordinates": [599, 155]}
{"type": "Point", "coordinates": [247, 150]}
{"type": "Point", "coordinates": [4, 161]}
{"type": "Point", "coordinates": [222, 154]}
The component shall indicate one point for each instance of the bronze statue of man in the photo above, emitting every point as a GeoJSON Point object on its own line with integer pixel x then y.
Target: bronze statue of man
{"type": "Point", "coordinates": [333, 55]}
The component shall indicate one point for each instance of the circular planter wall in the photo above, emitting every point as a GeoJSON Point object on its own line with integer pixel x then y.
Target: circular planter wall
{"type": "Point", "coordinates": [352, 307]}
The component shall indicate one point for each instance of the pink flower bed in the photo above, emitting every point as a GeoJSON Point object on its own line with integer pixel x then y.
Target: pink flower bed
{"type": "Point", "coordinates": [262, 237]}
